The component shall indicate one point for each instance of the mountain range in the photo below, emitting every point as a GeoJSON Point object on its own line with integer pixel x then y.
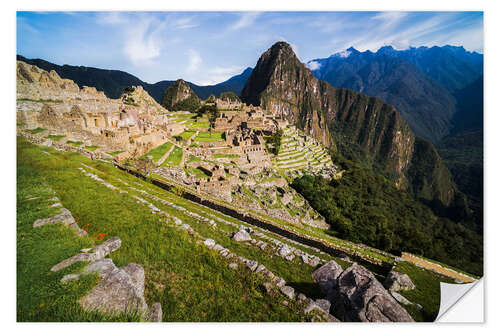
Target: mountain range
{"type": "Point", "coordinates": [113, 82]}
{"type": "Point", "coordinates": [424, 84]}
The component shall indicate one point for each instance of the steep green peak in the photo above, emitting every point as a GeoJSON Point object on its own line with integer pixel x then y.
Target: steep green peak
{"type": "Point", "coordinates": [177, 92]}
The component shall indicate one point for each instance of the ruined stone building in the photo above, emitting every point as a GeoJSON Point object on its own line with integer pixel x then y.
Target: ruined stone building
{"type": "Point", "coordinates": [47, 101]}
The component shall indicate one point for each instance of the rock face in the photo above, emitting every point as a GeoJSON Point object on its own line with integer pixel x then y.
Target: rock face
{"type": "Point", "coordinates": [121, 290]}
{"type": "Point", "coordinates": [64, 217]}
{"type": "Point", "coordinates": [241, 236]}
{"type": "Point", "coordinates": [281, 83]}
{"type": "Point", "coordinates": [326, 276]}
{"type": "Point", "coordinates": [396, 281]}
{"type": "Point", "coordinates": [178, 92]}
{"type": "Point", "coordinates": [356, 295]}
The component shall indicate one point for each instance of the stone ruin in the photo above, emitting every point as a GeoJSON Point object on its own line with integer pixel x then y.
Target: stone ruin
{"type": "Point", "coordinates": [47, 101]}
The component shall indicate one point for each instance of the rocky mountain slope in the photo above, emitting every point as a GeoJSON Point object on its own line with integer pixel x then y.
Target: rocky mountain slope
{"type": "Point", "coordinates": [178, 92]}
{"type": "Point", "coordinates": [360, 126]}
{"type": "Point", "coordinates": [113, 82]}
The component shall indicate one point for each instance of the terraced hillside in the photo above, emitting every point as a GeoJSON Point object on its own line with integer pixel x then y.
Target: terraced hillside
{"type": "Point", "coordinates": [189, 252]}
{"type": "Point", "coordinates": [300, 153]}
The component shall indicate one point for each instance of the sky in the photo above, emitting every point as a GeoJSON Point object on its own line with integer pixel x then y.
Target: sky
{"type": "Point", "coordinates": [210, 47]}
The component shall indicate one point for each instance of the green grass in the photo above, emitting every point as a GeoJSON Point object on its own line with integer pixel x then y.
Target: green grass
{"type": "Point", "coordinates": [174, 158]}
{"type": "Point", "coordinates": [40, 295]}
{"type": "Point", "coordinates": [117, 152]}
{"type": "Point", "coordinates": [191, 282]}
{"type": "Point", "coordinates": [36, 130]}
{"type": "Point", "coordinates": [74, 143]}
{"type": "Point", "coordinates": [198, 173]}
{"type": "Point", "coordinates": [225, 155]}
{"type": "Point", "coordinates": [91, 148]}
{"type": "Point", "coordinates": [159, 151]}
{"type": "Point", "coordinates": [55, 137]}
{"type": "Point", "coordinates": [40, 100]}
{"type": "Point", "coordinates": [192, 158]}
{"type": "Point", "coordinates": [209, 136]}
{"type": "Point", "coordinates": [186, 135]}
{"type": "Point", "coordinates": [427, 292]}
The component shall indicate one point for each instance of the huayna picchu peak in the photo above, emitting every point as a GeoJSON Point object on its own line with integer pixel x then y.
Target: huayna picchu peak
{"type": "Point", "coordinates": [349, 122]}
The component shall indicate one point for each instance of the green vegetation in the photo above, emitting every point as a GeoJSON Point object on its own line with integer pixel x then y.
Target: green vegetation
{"type": "Point", "coordinates": [229, 96]}
{"type": "Point", "coordinates": [74, 143]}
{"type": "Point", "coordinates": [210, 136]}
{"type": "Point", "coordinates": [198, 173]}
{"type": "Point", "coordinates": [40, 295]}
{"type": "Point", "coordinates": [427, 292]}
{"type": "Point", "coordinates": [91, 148]}
{"type": "Point", "coordinates": [36, 130]}
{"type": "Point", "coordinates": [190, 281]}
{"type": "Point", "coordinates": [191, 104]}
{"type": "Point", "coordinates": [186, 135]}
{"type": "Point", "coordinates": [40, 100]}
{"type": "Point", "coordinates": [55, 137]}
{"type": "Point", "coordinates": [118, 152]}
{"type": "Point", "coordinates": [225, 155]}
{"type": "Point", "coordinates": [209, 110]}
{"type": "Point", "coordinates": [275, 141]}
{"type": "Point", "coordinates": [174, 158]}
{"type": "Point", "coordinates": [365, 207]}
{"type": "Point", "coordinates": [159, 151]}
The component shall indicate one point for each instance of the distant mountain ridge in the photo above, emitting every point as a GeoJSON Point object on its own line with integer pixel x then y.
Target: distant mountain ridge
{"type": "Point", "coordinates": [112, 82]}
{"type": "Point", "coordinates": [422, 83]}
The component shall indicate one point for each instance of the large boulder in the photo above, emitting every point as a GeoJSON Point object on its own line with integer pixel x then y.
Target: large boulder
{"type": "Point", "coordinates": [358, 296]}
{"type": "Point", "coordinates": [396, 281]}
{"type": "Point", "coordinates": [241, 236]}
{"type": "Point", "coordinates": [326, 276]}
{"type": "Point", "coordinates": [120, 291]}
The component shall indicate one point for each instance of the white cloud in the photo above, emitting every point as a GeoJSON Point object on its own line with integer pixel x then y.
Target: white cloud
{"type": "Point", "coordinates": [142, 34]}
{"type": "Point", "coordinates": [246, 19]}
{"type": "Point", "coordinates": [313, 65]}
{"type": "Point", "coordinates": [185, 23]}
{"type": "Point", "coordinates": [194, 60]}
{"type": "Point", "coordinates": [220, 74]}
{"type": "Point", "coordinates": [111, 18]}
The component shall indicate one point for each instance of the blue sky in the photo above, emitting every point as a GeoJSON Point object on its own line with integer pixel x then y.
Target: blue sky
{"type": "Point", "coordinates": [210, 47]}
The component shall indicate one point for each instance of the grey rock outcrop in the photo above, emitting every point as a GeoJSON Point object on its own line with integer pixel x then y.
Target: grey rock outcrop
{"type": "Point", "coordinates": [241, 236]}
{"type": "Point", "coordinates": [119, 291]}
{"type": "Point", "coordinates": [326, 276]}
{"type": "Point", "coordinates": [99, 252]}
{"type": "Point", "coordinates": [155, 313]}
{"type": "Point", "coordinates": [396, 281]}
{"type": "Point", "coordinates": [356, 295]}
{"type": "Point", "coordinates": [63, 217]}
{"type": "Point", "coordinates": [288, 291]}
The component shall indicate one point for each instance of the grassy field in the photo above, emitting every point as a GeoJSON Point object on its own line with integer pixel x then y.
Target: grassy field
{"type": "Point", "coordinates": [209, 136]}
{"type": "Point", "coordinates": [55, 137]}
{"type": "Point", "coordinates": [91, 148]}
{"type": "Point", "coordinates": [225, 155]}
{"type": "Point", "coordinates": [191, 282]}
{"type": "Point", "coordinates": [174, 158]}
{"type": "Point", "coordinates": [186, 135]}
{"type": "Point", "coordinates": [427, 292]}
{"type": "Point", "coordinates": [159, 151]}
{"type": "Point", "coordinates": [74, 143]}
{"type": "Point", "coordinates": [36, 130]}
{"type": "Point", "coordinates": [198, 173]}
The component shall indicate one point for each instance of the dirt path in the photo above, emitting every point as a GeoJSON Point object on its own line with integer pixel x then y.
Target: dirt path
{"type": "Point", "coordinates": [437, 268]}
